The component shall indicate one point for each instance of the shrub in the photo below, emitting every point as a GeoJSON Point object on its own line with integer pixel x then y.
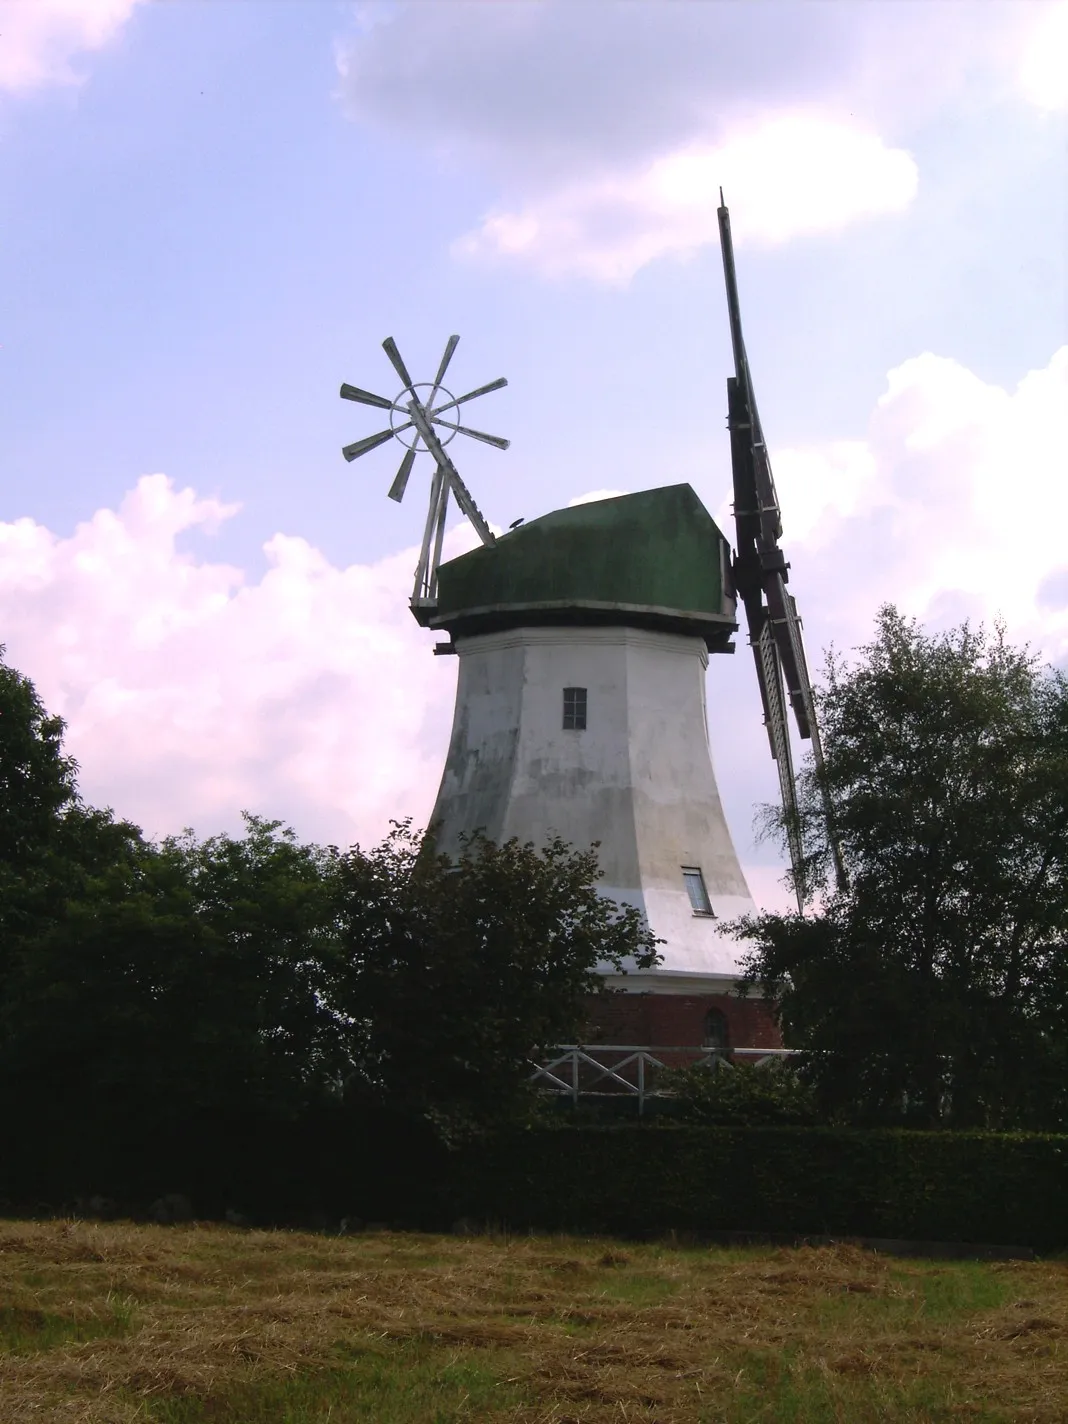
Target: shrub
{"type": "Point", "coordinates": [740, 1095]}
{"type": "Point", "coordinates": [1007, 1188]}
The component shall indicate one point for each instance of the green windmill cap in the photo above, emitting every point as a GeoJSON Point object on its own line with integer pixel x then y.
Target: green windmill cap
{"type": "Point", "coordinates": [653, 559]}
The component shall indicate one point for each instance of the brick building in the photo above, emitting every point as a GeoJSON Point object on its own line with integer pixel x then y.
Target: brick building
{"type": "Point", "coordinates": [680, 1015]}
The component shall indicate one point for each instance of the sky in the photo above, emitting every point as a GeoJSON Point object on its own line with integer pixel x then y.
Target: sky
{"type": "Point", "coordinates": [213, 211]}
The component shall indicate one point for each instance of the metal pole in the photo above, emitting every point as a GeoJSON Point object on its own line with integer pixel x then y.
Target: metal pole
{"type": "Point", "coordinates": [432, 572]}
{"type": "Point", "coordinates": [459, 489]}
{"type": "Point", "coordinates": [422, 572]}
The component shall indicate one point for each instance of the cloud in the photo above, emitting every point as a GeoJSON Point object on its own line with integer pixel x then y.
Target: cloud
{"type": "Point", "coordinates": [791, 175]}
{"type": "Point", "coordinates": [41, 38]}
{"type": "Point", "coordinates": [549, 89]}
{"type": "Point", "coordinates": [607, 128]}
{"type": "Point", "coordinates": [954, 506]}
{"type": "Point", "coordinates": [591, 497]}
{"type": "Point", "coordinates": [191, 694]}
{"type": "Point", "coordinates": [552, 88]}
{"type": "Point", "coordinates": [1043, 69]}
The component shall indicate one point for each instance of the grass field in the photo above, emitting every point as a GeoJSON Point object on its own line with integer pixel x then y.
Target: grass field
{"type": "Point", "coordinates": [178, 1325]}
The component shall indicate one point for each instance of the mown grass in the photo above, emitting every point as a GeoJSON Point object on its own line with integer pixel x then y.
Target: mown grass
{"type": "Point", "coordinates": [25, 1330]}
{"type": "Point", "coordinates": [412, 1381]}
{"type": "Point", "coordinates": [112, 1323]}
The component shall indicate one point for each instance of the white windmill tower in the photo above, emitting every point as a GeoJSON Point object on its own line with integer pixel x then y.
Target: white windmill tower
{"type": "Point", "coordinates": [583, 639]}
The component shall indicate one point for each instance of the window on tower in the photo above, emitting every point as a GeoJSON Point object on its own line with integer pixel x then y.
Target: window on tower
{"type": "Point", "coordinates": [574, 709]}
{"type": "Point", "coordinates": [695, 888]}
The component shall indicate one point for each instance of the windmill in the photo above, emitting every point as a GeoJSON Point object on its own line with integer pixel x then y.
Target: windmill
{"type": "Point", "coordinates": [582, 638]}
{"type": "Point", "coordinates": [413, 416]}
{"type": "Point", "coordinates": [760, 576]}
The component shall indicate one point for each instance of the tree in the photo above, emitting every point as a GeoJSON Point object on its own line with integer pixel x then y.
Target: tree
{"type": "Point", "coordinates": [740, 1095]}
{"type": "Point", "coordinates": [37, 781]}
{"type": "Point", "coordinates": [250, 995]}
{"type": "Point", "coordinates": [50, 842]}
{"type": "Point", "coordinates": [188, 1006]}
{"type": "Point", "coordinates": [935, 988]}
{"type": "Point", "coordinates": [454, 973]}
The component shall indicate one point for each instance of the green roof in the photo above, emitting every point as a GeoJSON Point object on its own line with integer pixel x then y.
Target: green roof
{"type": "Point", "coordinates": [655, 559]}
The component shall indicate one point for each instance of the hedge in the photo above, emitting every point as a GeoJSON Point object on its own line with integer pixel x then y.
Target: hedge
{"type": "Point", "coordinates": [624, 1179]}
{"type": "Point", "coordinates": [991, 1188]}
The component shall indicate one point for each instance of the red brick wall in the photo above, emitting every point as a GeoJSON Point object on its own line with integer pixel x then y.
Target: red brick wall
{"type": "Point", "coordinates": [678, 1020]}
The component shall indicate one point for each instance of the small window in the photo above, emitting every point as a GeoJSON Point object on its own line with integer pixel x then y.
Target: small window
{"type": "Point", "coordinates": [574, 709]}
{"type": "Point", "coordinates": [717, 1033]}
{"type": "Point", "coordinates": [695, 888]}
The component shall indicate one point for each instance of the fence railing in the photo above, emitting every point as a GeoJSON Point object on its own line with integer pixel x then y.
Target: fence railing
{"type": "Point", "coordinates": [605, 1070]}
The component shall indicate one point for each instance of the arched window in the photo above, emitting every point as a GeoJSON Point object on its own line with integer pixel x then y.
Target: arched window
{"type": "Point", "coordinates": [717, 1034]}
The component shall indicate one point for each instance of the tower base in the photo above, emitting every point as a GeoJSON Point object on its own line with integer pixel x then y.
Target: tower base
{"type": "Point", "coordinates": [664, 1008]}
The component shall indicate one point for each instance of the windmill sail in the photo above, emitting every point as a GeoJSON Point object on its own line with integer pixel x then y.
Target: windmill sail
{"type": "Point", "coordinates": [760, 577]}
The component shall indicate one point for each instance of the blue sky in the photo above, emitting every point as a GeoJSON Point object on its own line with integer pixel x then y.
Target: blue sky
{"type": "Point", "coordinates": [212, 213]}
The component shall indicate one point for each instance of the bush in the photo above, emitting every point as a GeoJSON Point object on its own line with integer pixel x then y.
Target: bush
{"type": "Point", "coordinates": [740, 1095]}
{"type": "Point", "coordinates": [962, 1186]}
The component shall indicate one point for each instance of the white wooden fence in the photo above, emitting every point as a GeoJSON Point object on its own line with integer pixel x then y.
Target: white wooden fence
{"type": "Point", "coordinates": [612, 1069]}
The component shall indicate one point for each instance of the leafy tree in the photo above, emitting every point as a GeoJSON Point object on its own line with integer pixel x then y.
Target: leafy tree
{"type": "Point", "coordinates": [37, 781]}
{"type": "Point", "coordinates": [741, 1095]}
{"type": "Point", "coordinates": [50, 842]}
{"type": "Point", "coordinates": [184, 976]}
{"type": "Point", "coordinates": [168, 1012]}
{"type": "Point", "coordinates": [179, 1007]}
{"type": "Point", "coordinates": [252, 999]}
{"type": "Point", "coordinates": [453, 973]}
{"type": "Point", "coordinates": [935, 988]}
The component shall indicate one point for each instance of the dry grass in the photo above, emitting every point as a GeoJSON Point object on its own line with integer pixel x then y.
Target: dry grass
{"type": "Point", "coordinates": [114, 1322]}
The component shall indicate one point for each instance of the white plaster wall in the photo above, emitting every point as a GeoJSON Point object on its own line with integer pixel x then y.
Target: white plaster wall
{"type": "Point", "coordinates": [639, 779]}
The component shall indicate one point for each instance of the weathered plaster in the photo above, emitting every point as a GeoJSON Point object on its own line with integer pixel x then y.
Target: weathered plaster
{"type": "Point", "coordinates": [638, 780]}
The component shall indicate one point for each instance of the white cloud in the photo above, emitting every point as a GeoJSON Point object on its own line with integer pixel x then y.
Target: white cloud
{"type": "Point", "coordinates": [607, 128]}
{"type": "Point", "coordinates": [591, 497]}
{"type": "Point", "coordinates": [1043, 70]}
{"type": "Point", "coordinates": [823, 486]}
{"type": "Point", "coordinates": [786, 176]}
{"type": "Point", "coordinates": [191, 694]}
{"type": "Point", "coordinates": [550, 89]}
{"type": "Point", "coordinates": [954, 506]}
{"type": "Point", "coordinates": [39, 39]}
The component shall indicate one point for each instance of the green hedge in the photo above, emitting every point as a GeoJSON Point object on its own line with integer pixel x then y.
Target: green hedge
{"type": "Point", "coordinates": [625, 1179]}
{"type": "Point", "coordinates": [1009, 1189]}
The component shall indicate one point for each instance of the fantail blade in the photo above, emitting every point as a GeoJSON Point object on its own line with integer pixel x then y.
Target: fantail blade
{"type": "Point", "coordinates": [369, 442]}
{"type": "Point", "coordinates": [400, 482]}
{"type": "Point", "coordinates": [496, 440]}
{"type": "Point", "coordinates": [389, 346]}
{"type": "Point", "coordinates": [481, 391]}
{"type": "Point", "coordinates": [353, 393]}
{"type": "Point", "coordinates": [450, 347]}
